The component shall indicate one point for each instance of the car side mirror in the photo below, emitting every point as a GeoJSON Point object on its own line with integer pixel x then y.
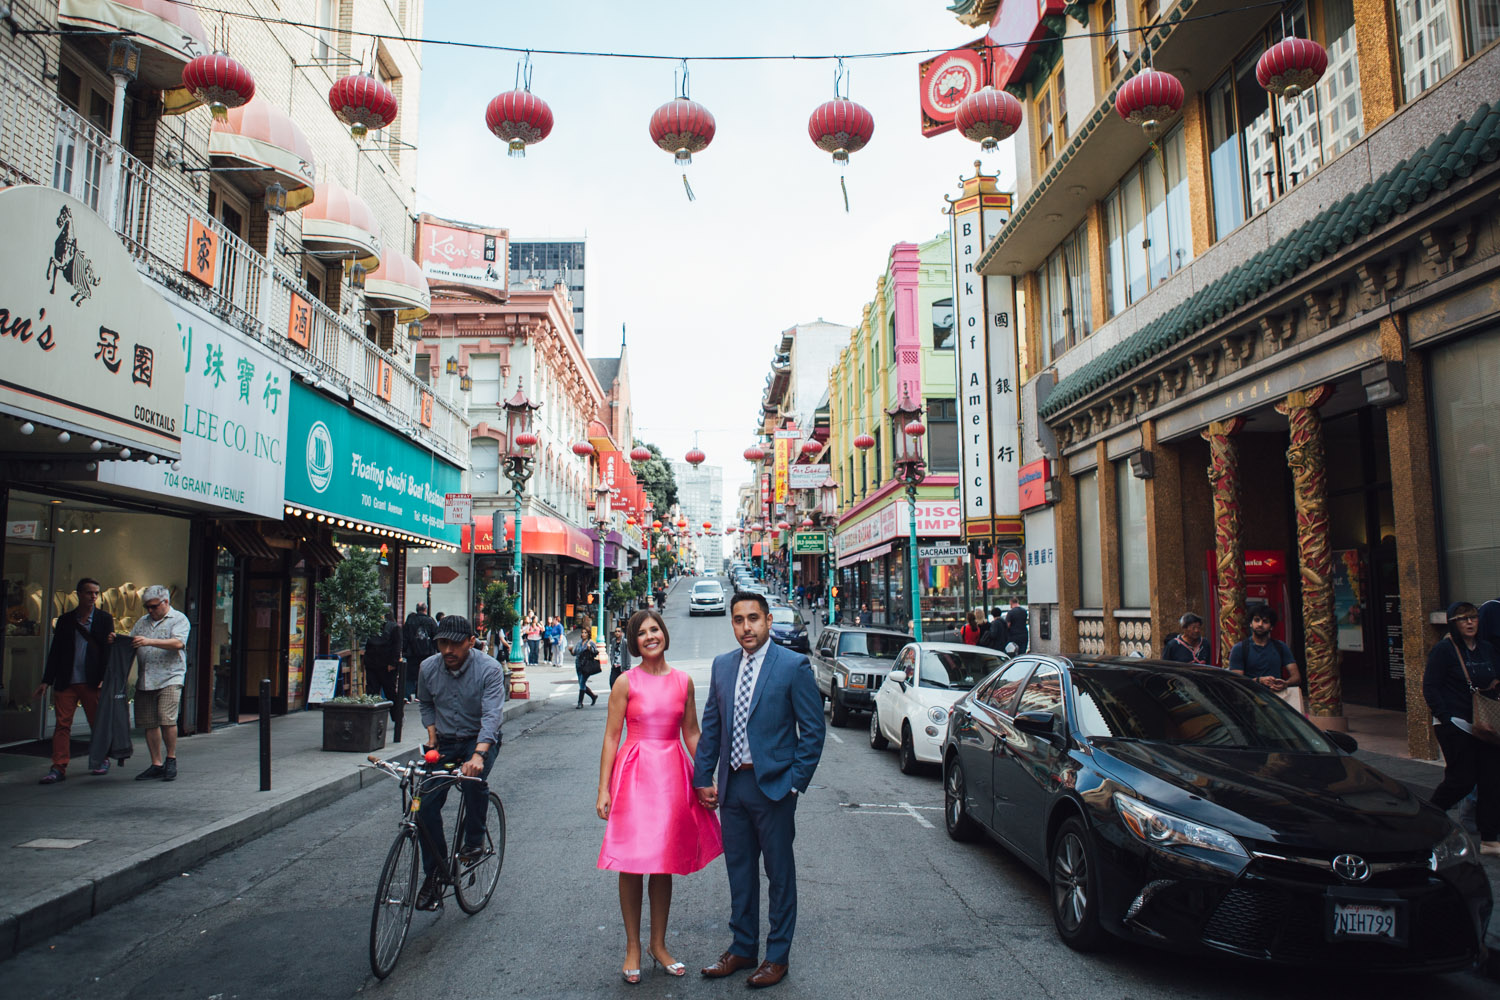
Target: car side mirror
{"type": "Point", "coordinates": [1043, 724]}
{"type": "Point", "coordinates": [1343, 741]}
{"type": "Point", "coordinates": [897, 677]}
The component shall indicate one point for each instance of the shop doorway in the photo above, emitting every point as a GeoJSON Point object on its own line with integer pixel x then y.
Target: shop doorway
{"type": "Point", "coordinates": [265, 645]}
{"type": "Point", "coordinates": [28, 575]}
{"type": "Point", "coordinates": [226, 700]}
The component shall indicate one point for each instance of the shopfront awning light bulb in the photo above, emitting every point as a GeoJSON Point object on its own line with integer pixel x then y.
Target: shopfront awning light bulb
{"type": "Point", "coordinates": [63, 437]}
{"type": "Point", "coordinates": [28, 427]}
{"type": "Point", "coordinates": [125, 454]}
{"type": "Point", "coordinates": [96, 445]}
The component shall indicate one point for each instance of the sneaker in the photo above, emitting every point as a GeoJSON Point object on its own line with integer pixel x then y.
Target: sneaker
{"type": "Point", "coordinates": [53, 776]}
{"type": "Point", "coordinates": [431, 895]}
{"type": "Point", "coordinates": [101, 769]}
{"type": "Point", "coordinates": [1490, 848]}
{"type": "Point", "coordinates": [154, 771]}
{"type": "Point", "coordinates": [471, 855]}
{"type": "Point", "coordinates": [169, 770]}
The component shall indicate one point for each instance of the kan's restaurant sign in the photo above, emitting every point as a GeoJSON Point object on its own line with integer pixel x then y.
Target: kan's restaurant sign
{"type": "Point", "coordinates": [85, 344]}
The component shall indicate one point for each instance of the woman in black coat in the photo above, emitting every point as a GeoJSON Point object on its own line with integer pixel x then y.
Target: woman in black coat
{"type": "Point", "coordinates": [1457, 666]}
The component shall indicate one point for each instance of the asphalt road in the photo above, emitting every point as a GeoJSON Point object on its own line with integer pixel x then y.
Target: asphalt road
{"type": "Point", "coordinates": [889, 905]}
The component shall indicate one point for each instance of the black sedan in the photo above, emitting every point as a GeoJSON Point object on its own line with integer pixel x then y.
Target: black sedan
{"type": "Point", "coordinates": [1187, 808]}
{"type": "Point", "coordinates": [788, 629]}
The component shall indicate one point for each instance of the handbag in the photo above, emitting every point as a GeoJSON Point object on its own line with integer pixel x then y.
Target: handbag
{"type": "Point", "coordinates": [1292, 695]}
{"type": "Point", "coordinates": [1486, 711]}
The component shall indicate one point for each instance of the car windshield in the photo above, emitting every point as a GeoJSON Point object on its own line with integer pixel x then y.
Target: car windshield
{"type": "Point", "coordinates": [954, 670]}
{"type": "Point", "coordinates": [707, 588]}
{"type": "Point", "coordinates": [1204, 708]}
{"type": "Point", "coordinates": [876, 644]}
{"type": "Point", "coordinates": [783, 616]}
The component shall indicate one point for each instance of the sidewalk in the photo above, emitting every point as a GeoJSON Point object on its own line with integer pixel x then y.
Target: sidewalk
{"type": "Point", "coordinates": [73, 850]}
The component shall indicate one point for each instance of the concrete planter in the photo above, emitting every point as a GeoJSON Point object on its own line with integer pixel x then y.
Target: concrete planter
{"type": "Point", "coordinates": [355, 728]}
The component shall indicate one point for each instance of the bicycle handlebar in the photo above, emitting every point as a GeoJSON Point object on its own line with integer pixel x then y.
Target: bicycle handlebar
{"type": "Point", "coordinates": [416, 768]}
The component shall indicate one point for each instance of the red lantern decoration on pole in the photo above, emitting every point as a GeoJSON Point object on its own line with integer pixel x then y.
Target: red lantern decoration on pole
{"type": "Point", "coordinates": [694, 457]}
{"type": "Point", "coordinates": [526, 439]}
{"type": "Point", "coordinates": [989, 117]}
{"type": "Point", "coordinates": [640, 454]}
{"type": "Point", "coordinates": [583, 449]}
{"type": "Point", "coordinates": [1148, 98]}
{"type": "Point", "coordinates": [811, 448]}
{"type": "Point", "coordinates": [708, 525]}
{"type": "Point", "coordinates": [841, 127]}
{"type": "Point", "coordinates": [807, 522]}
{"type": "Point", "coordinates": [782, 526]}
{"type": "Point", "coordinates": [518, 118]}
{"type": "Point", "coordinates": [682, 522]}
{"type": "Point", "coordinates": [1291, 66]}
{"type": "Point", "coordinates": [220, 82]}
{"type": "Point", "coordinates": [363, 103]}
{"type": "Point", "coordinates": [864, 442]}
{"type": "Point", "coordinates": [915, 429]}
{"type": "Point", "coordinates": [755, 453]}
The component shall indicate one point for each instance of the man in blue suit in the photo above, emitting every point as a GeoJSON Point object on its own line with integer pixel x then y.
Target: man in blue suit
{"type": "Point", "coordinates": [762, 737]}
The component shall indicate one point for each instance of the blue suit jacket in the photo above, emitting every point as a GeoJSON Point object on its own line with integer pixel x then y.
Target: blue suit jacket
{"type": "Point", "coordinates": [785, 729]}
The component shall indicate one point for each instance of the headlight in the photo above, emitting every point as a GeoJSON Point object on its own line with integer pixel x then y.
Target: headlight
{"type": "Point", "coordinates": [1165, 830]}
{"type": "Point", "coordinates": [938, 715]}
{"type": "Point", "coordinates": [1456, 849]}
{"type": "Point", "coordinates": [857, 680]}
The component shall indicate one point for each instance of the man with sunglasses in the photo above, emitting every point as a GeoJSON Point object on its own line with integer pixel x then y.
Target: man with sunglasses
{"type": "Point", "coordinates": [160, 641]}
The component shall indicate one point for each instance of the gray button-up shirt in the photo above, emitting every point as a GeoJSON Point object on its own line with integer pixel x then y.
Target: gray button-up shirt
{"type": "Point", "coordinates": [465, 701]}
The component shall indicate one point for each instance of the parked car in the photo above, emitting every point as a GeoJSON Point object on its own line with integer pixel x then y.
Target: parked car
{"type": "Point", "coordinates": [911, 705]}
{"type": "Point", "coordinates": [849, 663]}
{"type": "Point", "coordinates": [1191, 809]}
{"type": "Point", "coordinates": [707, 598]}
{"type": "Point", "coordinates": [788, 629]}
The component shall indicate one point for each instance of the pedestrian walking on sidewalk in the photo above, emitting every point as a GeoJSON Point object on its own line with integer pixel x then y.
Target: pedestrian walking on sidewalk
{"type": "Point", "coordinates": [418, 642]}
{"type": "Point", "coordinates": [619, 655]}
{"type": "Point", "coordinates": [586, 664]}
{"type": "Point", "coordinates": [655, 824]}
{"type": "Point", "coordinates": [461, 691]}
{"type": "Point", "coordinates": [160, 640]}
{"type": "Point", "coordinates": [382, 651]}
{"type": "Point", "coordinates": [532, 632]}
{"type": "Point", "coordinates": [1189, 645]}
{"type": "Point", "coordinates": [75, 668]}
{"type": "Point", "coordinates": [762, 739]}
{"type": "Point", "coordinates": [559, 641]}
{"type": "Point", "coordinates": [1460, 667]}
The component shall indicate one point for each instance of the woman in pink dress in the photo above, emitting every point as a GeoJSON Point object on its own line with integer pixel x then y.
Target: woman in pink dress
{"type": "Point", "coordinates": [654, 823]}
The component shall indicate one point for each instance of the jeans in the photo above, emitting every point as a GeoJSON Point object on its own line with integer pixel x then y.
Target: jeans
{"type": "Point", "coordinates": [583, 687]}
{"type": "Point", "coordinates": [532, 645]}
{"type": "Point", "coordinates": [430, 815]}
{"type": "Point", "coordinates": [66, 701]}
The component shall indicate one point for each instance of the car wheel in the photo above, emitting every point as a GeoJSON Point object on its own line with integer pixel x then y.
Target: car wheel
{"type": "Point", "coordinates": [956, 819]}
{"type": "Point", "coordinates": [877, 741]}
{"type": "Point", "coordinates": [838, 713]}
{"type": "Point", "coordinates": [1075, 888]}
{"type": "Point", "coordinates": [909, 762]}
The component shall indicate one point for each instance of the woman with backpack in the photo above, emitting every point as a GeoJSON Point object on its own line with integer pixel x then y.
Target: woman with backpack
{"type": "Point", "coordinates": [586, 663]}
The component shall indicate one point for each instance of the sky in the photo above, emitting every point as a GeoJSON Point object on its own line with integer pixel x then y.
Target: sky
{"type": "Point", "coordinates": [706, 287]}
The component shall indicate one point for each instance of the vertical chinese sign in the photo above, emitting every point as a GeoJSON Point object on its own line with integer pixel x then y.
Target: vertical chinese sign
{"type": "Point", "coordinates": [200, 258]}
{"type": "Point", "coordinates": [299, 322]}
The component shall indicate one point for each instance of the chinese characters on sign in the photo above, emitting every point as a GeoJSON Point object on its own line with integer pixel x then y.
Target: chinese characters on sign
{"type": "Point", "coordinates": [299, 322]}
{"type": "Point", "coordinates": [385, 380]}
{"type": "Point", "coordinates": [200, 258]}
{"type": "Point", "coordinates": [426, 416]}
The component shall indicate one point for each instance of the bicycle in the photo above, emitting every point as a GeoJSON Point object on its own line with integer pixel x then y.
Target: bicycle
{"type": "Point", "coordinates": [471, 877]}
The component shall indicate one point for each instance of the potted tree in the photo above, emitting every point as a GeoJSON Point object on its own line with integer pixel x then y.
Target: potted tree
{"type": "Point", "coordinates": [351, 603]}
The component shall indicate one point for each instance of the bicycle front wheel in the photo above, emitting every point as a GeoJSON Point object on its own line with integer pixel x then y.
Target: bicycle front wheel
{"type": "Point", "coordinates": [476, 871]}
{"type": "Point", "coordinates": [395, 898]}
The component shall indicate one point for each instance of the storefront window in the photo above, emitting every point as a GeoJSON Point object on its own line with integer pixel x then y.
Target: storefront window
{"type": "Point", "coordinates": [1135, 556]}
{"type": "Point", "coordinates": [943, 598]}
{"type": "Point", "coordinates": [27, 621]}
{"type": "Point", "coordinates": [221, 626]}
{"type": "Point", "coordinates": [1090, 565]}
{"type": "Point", "coordinates": [1465, 398]}
{"type": "Point", "coordinates": [898, 612]}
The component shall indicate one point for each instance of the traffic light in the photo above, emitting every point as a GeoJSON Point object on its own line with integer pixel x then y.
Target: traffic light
{"type": "Point", "coordinates": [591, 597]}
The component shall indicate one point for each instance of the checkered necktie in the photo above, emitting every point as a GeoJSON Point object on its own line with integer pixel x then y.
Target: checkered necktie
{"type": "Point", "coordinates": [739, 747]}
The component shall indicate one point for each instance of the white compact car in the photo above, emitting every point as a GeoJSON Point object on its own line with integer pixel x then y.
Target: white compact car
{"type": "Point", "coordinates": [707, 599]}
{"type": "Point", "coordinates": [911, 707]}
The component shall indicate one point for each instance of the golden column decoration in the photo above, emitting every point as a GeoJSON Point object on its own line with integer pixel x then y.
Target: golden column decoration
{"type": "Point", "coordinates": [1310, 486]}
{"type": "Point", "coordinates": [1229, 554]}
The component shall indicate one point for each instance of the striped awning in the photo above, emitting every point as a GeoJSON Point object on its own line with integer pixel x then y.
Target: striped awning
{"type": "Point", "coordinates": [261, 135]}
{"type": "Point", "coordinates": [399, 282]}
{"type": "Point", "coordinates": [169, 34]}
{"type": "Point", "coordinates": [339, 223]}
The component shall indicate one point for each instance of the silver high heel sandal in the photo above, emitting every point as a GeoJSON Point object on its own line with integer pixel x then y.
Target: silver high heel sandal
{"type": "Point", "coordinates": [675, 969]}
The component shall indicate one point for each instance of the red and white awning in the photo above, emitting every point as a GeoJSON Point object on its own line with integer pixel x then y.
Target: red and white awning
{"type": "Point", "coordinates": [399, 282]}
{"type": "Point", "coordinates": [339, 223]}
{"type": "Point", "coordinates": [170, 36]}
{"type": "Point", "coordinates": [261, 135]}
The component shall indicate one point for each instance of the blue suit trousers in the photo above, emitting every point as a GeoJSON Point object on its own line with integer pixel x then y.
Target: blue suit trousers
{"type": "Point", "coordinates": [754, 827]}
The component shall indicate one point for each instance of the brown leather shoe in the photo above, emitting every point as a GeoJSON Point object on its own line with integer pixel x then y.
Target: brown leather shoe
{"type": "Point", "coordinates": [769, 974]}
{"type": "Point", "coordinates": [728, 963]}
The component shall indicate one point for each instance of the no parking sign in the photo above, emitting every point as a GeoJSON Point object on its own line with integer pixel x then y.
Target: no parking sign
{"type": "Point", "coordinates": [1010, 567]}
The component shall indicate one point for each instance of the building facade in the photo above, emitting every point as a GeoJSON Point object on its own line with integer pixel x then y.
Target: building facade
{"type": "Point", "coordinates": [700, 496]}
{"type": "Point", "coordinates": [1258, 350]}
{"type": "Point", "coordinates": [233, 405]}
{"type": "Point", "coordinates": [547, 263]}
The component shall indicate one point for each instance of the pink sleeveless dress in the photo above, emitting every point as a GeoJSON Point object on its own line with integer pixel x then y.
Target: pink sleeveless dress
{"type": "Point", "coordinates": [655, 822]}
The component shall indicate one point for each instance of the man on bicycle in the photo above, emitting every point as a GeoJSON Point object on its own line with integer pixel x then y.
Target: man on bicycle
{"type": "Point", "coordinates": [461, 692]}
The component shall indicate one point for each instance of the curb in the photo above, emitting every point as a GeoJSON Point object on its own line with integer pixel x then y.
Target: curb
{"type": "Point", "coordinates": [74, 900]}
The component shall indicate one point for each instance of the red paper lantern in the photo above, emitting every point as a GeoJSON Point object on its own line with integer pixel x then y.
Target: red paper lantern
{"type": "Point", "coordinates": [757, 526]}
{"type": "Point", "coordinates": [754, 453]}
{"type": "Point", "coordinates": [682, 522]}
{"type": "Point", "coordinates": [807, 522]}
{"type": "Point", "coordinates": [526, 439]}
{"type": "Point", "coordinates": [519, 118]}
{"type": "Point", "coordinates": [682, 127]}
{"type": "Point", "coordinates": [841, 127]}
{"type": "Point", "coordinates": [707, 525]}
{"type": "Point", "coordinates": [864, 442]}
{"type": "Point", "coordinates": [220, 82]}
{"type": "Point", "coordinates": [811, 448]}
{"type": "Point", "coordinates": [728, 531]}
{"type": "Point", "coordinates": [630, 520]}
{"type": "Point", "coordinates": [694, 457]}
{"type": "Point", "coordinates": [363, 103]}
{"type": "Point", "coordinates": [782, 526]}
{"type": "Point", "coordinates": [915, 429]}
{"type": "Point", "coordinates": [639, 454]}
{"type": "Point", "coordinates": [655, 525]}
{"type": "Point", "coordinates": [1291, 66]}
{"type": "Point", "coordinates": [583, 449]}
{"type": "Point", "coordinates": [989, 117]}
{"type": "Point", "coordinates": [1149, 97]}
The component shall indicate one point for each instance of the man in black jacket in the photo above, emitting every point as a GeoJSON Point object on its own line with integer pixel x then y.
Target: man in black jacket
{"type": "Point", "coordinates": [997, 635]}
{"type": "Point", "coordinates": [76, 663]}
{"type": "Point", "coordinates": [1018, 633]}
{"type": "Point", "coordinates": [418, 642]}
{"type": "Point", "coordinates": [381, 654]}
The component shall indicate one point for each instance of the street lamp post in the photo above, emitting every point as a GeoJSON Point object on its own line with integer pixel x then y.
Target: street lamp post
{"type": "Point", "coordinates": [601, 521]}
{"type": "Point", "coordinates": [911, 470]}
{"type": "Point", "coordinates": [828, 508]}
{"type": "Point", "coordinates": [520, 439]}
